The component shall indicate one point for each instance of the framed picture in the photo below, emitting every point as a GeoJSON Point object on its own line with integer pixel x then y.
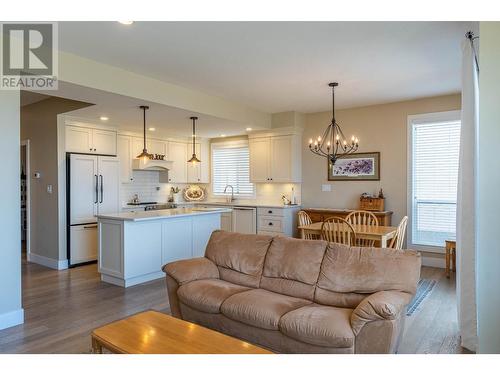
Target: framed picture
{"type": "Point", "coordinates": [363, 166]}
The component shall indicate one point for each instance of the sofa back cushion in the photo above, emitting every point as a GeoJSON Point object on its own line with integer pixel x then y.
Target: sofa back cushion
{"type": "Point", "coordinates": [348, 274]}
{"type": "Point", "coordinates": [239, 257]}
{"type": "Point", "coordinates": [292, 266]}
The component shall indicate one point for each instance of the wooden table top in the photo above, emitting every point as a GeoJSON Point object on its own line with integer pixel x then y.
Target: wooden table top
{"type": "Point", "coordinates": [152, 332]}
{"type": "Point", "coordinates": [358, 229]}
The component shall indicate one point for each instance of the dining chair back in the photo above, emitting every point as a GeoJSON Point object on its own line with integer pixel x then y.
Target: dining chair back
{"type": "Point", "coordinates": [336, 229]}
{"type": "Point", "coordinates": [305, 219]}
{"type": "Point", "coordinates": [398, 239]}
{"type": "Point", "coordinates": [363, 218]}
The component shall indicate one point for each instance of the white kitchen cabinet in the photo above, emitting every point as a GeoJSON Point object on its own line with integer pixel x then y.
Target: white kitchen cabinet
{"type": "Point", "coordinates": [179, 245]}
{"type": "Point", "coordinates": [277, 221]}
{"type": "Point", "coordinates": [104, 142]}
{"type": "Point", "coordinates": [79, 139]}
{"type": "Point", "coordinates": [124, 152]}
{"type": "Point", "coordinates": [154, 146]}
{"type": "Point", "coordinates": [259, 149]}
{"type": "Point", "coordinates": [90, 141]}
{"type": "Point", "coordinates": [178, 154]}
{"type": "Point", "coordinates": [275, 159]}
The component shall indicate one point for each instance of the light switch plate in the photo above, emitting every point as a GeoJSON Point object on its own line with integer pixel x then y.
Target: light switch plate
{"type": "Point", "coordinates": [49, 189]}
{"type": "Point", "coordinates": [326, 187]}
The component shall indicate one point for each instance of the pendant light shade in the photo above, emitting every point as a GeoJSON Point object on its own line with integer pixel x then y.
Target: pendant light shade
{"type": "Point", "coordinates": [144, 155]}
{"type": "Point", "coordinates": [194, 159]}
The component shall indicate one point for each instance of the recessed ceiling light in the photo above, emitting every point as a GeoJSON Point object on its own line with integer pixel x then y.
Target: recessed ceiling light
{"type": "Point", "coordinates": [249, 129]}
{"type": "Point", "coordinates": [126, 22]}
{"type": "Point", "coordinates": [222, 135]}
{"type": "Point", "coordinates": [104, 118]}
{"type": "Point", "coordinates": [151, 129]}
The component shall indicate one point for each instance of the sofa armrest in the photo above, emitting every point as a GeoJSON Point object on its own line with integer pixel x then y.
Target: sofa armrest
{"type": "Point", "coordinates": [184, 271]}
{"type": "Point", "coordinates": [383, 305]}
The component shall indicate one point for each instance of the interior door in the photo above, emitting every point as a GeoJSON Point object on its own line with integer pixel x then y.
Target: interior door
{"type": "Point", "coordinates": [83, 188]}
{"type": "Point", "coordinates": [109, 184]}
{"type": "Point", "coordinates": [259, 149]}
{"type": "Point", "coordinates": [245, 220]}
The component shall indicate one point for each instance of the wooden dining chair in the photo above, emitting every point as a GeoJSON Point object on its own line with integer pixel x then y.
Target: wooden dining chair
{"type": "Point", "coordinates": [398, 239]}
{"type": "Point", "coordinates": [336, 229]}
{"type": "Point", "coordinates": [363, 218]}
{"type": "Point", "coordinates": [305, 219]}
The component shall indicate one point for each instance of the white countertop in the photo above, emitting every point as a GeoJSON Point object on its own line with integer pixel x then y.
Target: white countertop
{"type": "Point", "coordinates": [237, 203]}
{"type": "Point", "coordinates": [162, 214]}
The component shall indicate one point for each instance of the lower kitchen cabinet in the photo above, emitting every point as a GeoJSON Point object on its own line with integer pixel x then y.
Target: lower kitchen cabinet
{"type": "Point", "coordinates": [277, 221]}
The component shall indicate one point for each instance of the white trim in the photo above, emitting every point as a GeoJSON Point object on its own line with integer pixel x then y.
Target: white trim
{"type": "Point", "coordinates": [26, 143]}
{"type": "Point", "coordinates": [421, 118]}
{"type": "Point", "coordinates": [11, 318]}
{"type": "Point", "coordinates": [49, 262]}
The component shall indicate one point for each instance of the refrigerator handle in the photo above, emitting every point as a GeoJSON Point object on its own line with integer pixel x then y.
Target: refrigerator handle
{"type": "Point", "coordinates": [96, 191]}
{"type": "Point", "coordinates": [102, 189]}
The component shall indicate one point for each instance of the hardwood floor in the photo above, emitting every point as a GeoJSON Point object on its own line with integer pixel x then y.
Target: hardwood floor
{"type": "Point", "coordinates": [63, 307]}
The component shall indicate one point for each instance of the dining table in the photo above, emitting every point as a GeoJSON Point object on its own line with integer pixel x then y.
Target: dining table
{"type": "Point", "coordinates": [380, 234]}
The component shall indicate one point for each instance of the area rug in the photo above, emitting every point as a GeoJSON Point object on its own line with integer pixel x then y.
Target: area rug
{"type": "Point", "coordinates": [424, 288]}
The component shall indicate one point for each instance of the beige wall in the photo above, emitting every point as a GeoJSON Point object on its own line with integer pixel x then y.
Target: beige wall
{"type": "Point", "coordinates": [380, 128]}
{"type": "Point", "coordinates": [39, 125]}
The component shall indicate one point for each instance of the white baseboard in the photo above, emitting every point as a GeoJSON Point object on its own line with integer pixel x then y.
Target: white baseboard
{"type": "Point", "coordinates": [11, 318]}
{"type": "Point", "coordinates": [433, 262]}
{"type": "Point", "coordinates": [48, 262]}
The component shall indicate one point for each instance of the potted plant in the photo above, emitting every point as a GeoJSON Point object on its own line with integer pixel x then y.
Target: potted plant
{"type": "Point", "coordinates": [175, 194]}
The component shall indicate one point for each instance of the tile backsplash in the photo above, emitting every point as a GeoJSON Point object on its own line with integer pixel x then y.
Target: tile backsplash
{"type": "Point", "coordinates": [147, 186]}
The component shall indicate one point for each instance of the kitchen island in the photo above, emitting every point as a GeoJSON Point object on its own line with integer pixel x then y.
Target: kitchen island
{"type": "Point", "coordinates": [133, 246]}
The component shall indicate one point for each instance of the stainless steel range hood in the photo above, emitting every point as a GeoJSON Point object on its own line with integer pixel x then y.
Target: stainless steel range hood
{"type": "Point", "coordinates": [151, 165]}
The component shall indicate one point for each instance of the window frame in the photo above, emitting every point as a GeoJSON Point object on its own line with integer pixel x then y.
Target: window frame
{"type": "Point", "coordinates": [446, 116]}
{"type": "Point", "coordinates": [228, 144]}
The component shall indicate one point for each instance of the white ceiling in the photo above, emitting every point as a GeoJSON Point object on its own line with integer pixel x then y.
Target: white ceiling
{"type": "Point", "coordinates": [283, 66]}
{"type": "Point", "coordinates": [123, 112]}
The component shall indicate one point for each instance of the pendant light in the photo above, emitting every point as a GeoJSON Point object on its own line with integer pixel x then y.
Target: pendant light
{"type": "Point", "coordinates": [144, 155]}
{"type": "Point", "coordinates": [333, 145]}
{"type": "Point", "coordinates": [194, 159]}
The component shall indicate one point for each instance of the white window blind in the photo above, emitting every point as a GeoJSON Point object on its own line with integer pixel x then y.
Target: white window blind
{"type": "Point", "coordinates": [435, 152]}
{"type": "Point", "coordinates": [231, 166]}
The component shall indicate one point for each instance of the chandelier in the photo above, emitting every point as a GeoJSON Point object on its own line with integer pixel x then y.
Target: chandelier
{"type": "Point", "coordinates": [333, 144]}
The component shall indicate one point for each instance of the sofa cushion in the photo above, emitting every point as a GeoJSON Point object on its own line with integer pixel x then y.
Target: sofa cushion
{"type": "Point", "coordinates": [207, 295]}
{"type": "Point", "coordinates": [292, 266]}
{"type": "Point", "coordinates": [319, 325]}
{"type": "Point", "coordinates": [368, 270]}
{"type": "Point", "coordinates": [260, 308]}
{"type": "Point", "coordinates": [239, 257]}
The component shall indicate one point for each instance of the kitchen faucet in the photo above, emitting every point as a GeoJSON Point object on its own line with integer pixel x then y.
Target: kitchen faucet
{"type": "Point", "coordinates": [232, 193]}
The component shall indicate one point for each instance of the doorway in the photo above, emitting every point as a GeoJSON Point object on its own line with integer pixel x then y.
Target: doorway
{"type": "Point", "coordinates": [25, 199]}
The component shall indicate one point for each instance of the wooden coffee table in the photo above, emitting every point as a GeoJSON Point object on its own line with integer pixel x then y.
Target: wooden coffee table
{"type": "Point", "coordinates": [152, 332]}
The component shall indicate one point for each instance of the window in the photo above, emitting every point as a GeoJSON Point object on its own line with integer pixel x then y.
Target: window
{"type": "Point", "coordinates": [231, 166]}
{"type": "Point", "coordinates": [434, 152]}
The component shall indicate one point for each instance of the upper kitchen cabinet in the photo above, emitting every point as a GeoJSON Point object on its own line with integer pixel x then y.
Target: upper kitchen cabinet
{"type": "Point", "coordinates": [199, 172]}
{"type": "Point", "coordinates": [90, 140]}
{"type": "Point", "coordinates": [178, 154]}
{"type": "Point", "coordinates": [275, 158]}
{"type": "Point", "coordinates": [124, 152]}
{"type": "Point", "coordinates": [154, 146]}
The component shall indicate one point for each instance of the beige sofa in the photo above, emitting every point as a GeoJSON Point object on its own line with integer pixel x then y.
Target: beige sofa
{"type": "Point", "coordinates": [296, 296]}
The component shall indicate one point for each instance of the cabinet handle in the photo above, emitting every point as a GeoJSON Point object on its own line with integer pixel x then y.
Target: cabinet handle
{"type": "Point", "coordinates": [269, 212]}
{"type": "Point", "coordinates": [89, 226]}
{"type": "Point", "coordinates": [102, 189]}
{"type": "Point", "coordinates": [96, 191]}
{"type": "Point", "coordinates": [270, 224]}
{"type": "Point", "coordinates": [95, 149]}
{"type": "Point", "coordinates": [90, 149]}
